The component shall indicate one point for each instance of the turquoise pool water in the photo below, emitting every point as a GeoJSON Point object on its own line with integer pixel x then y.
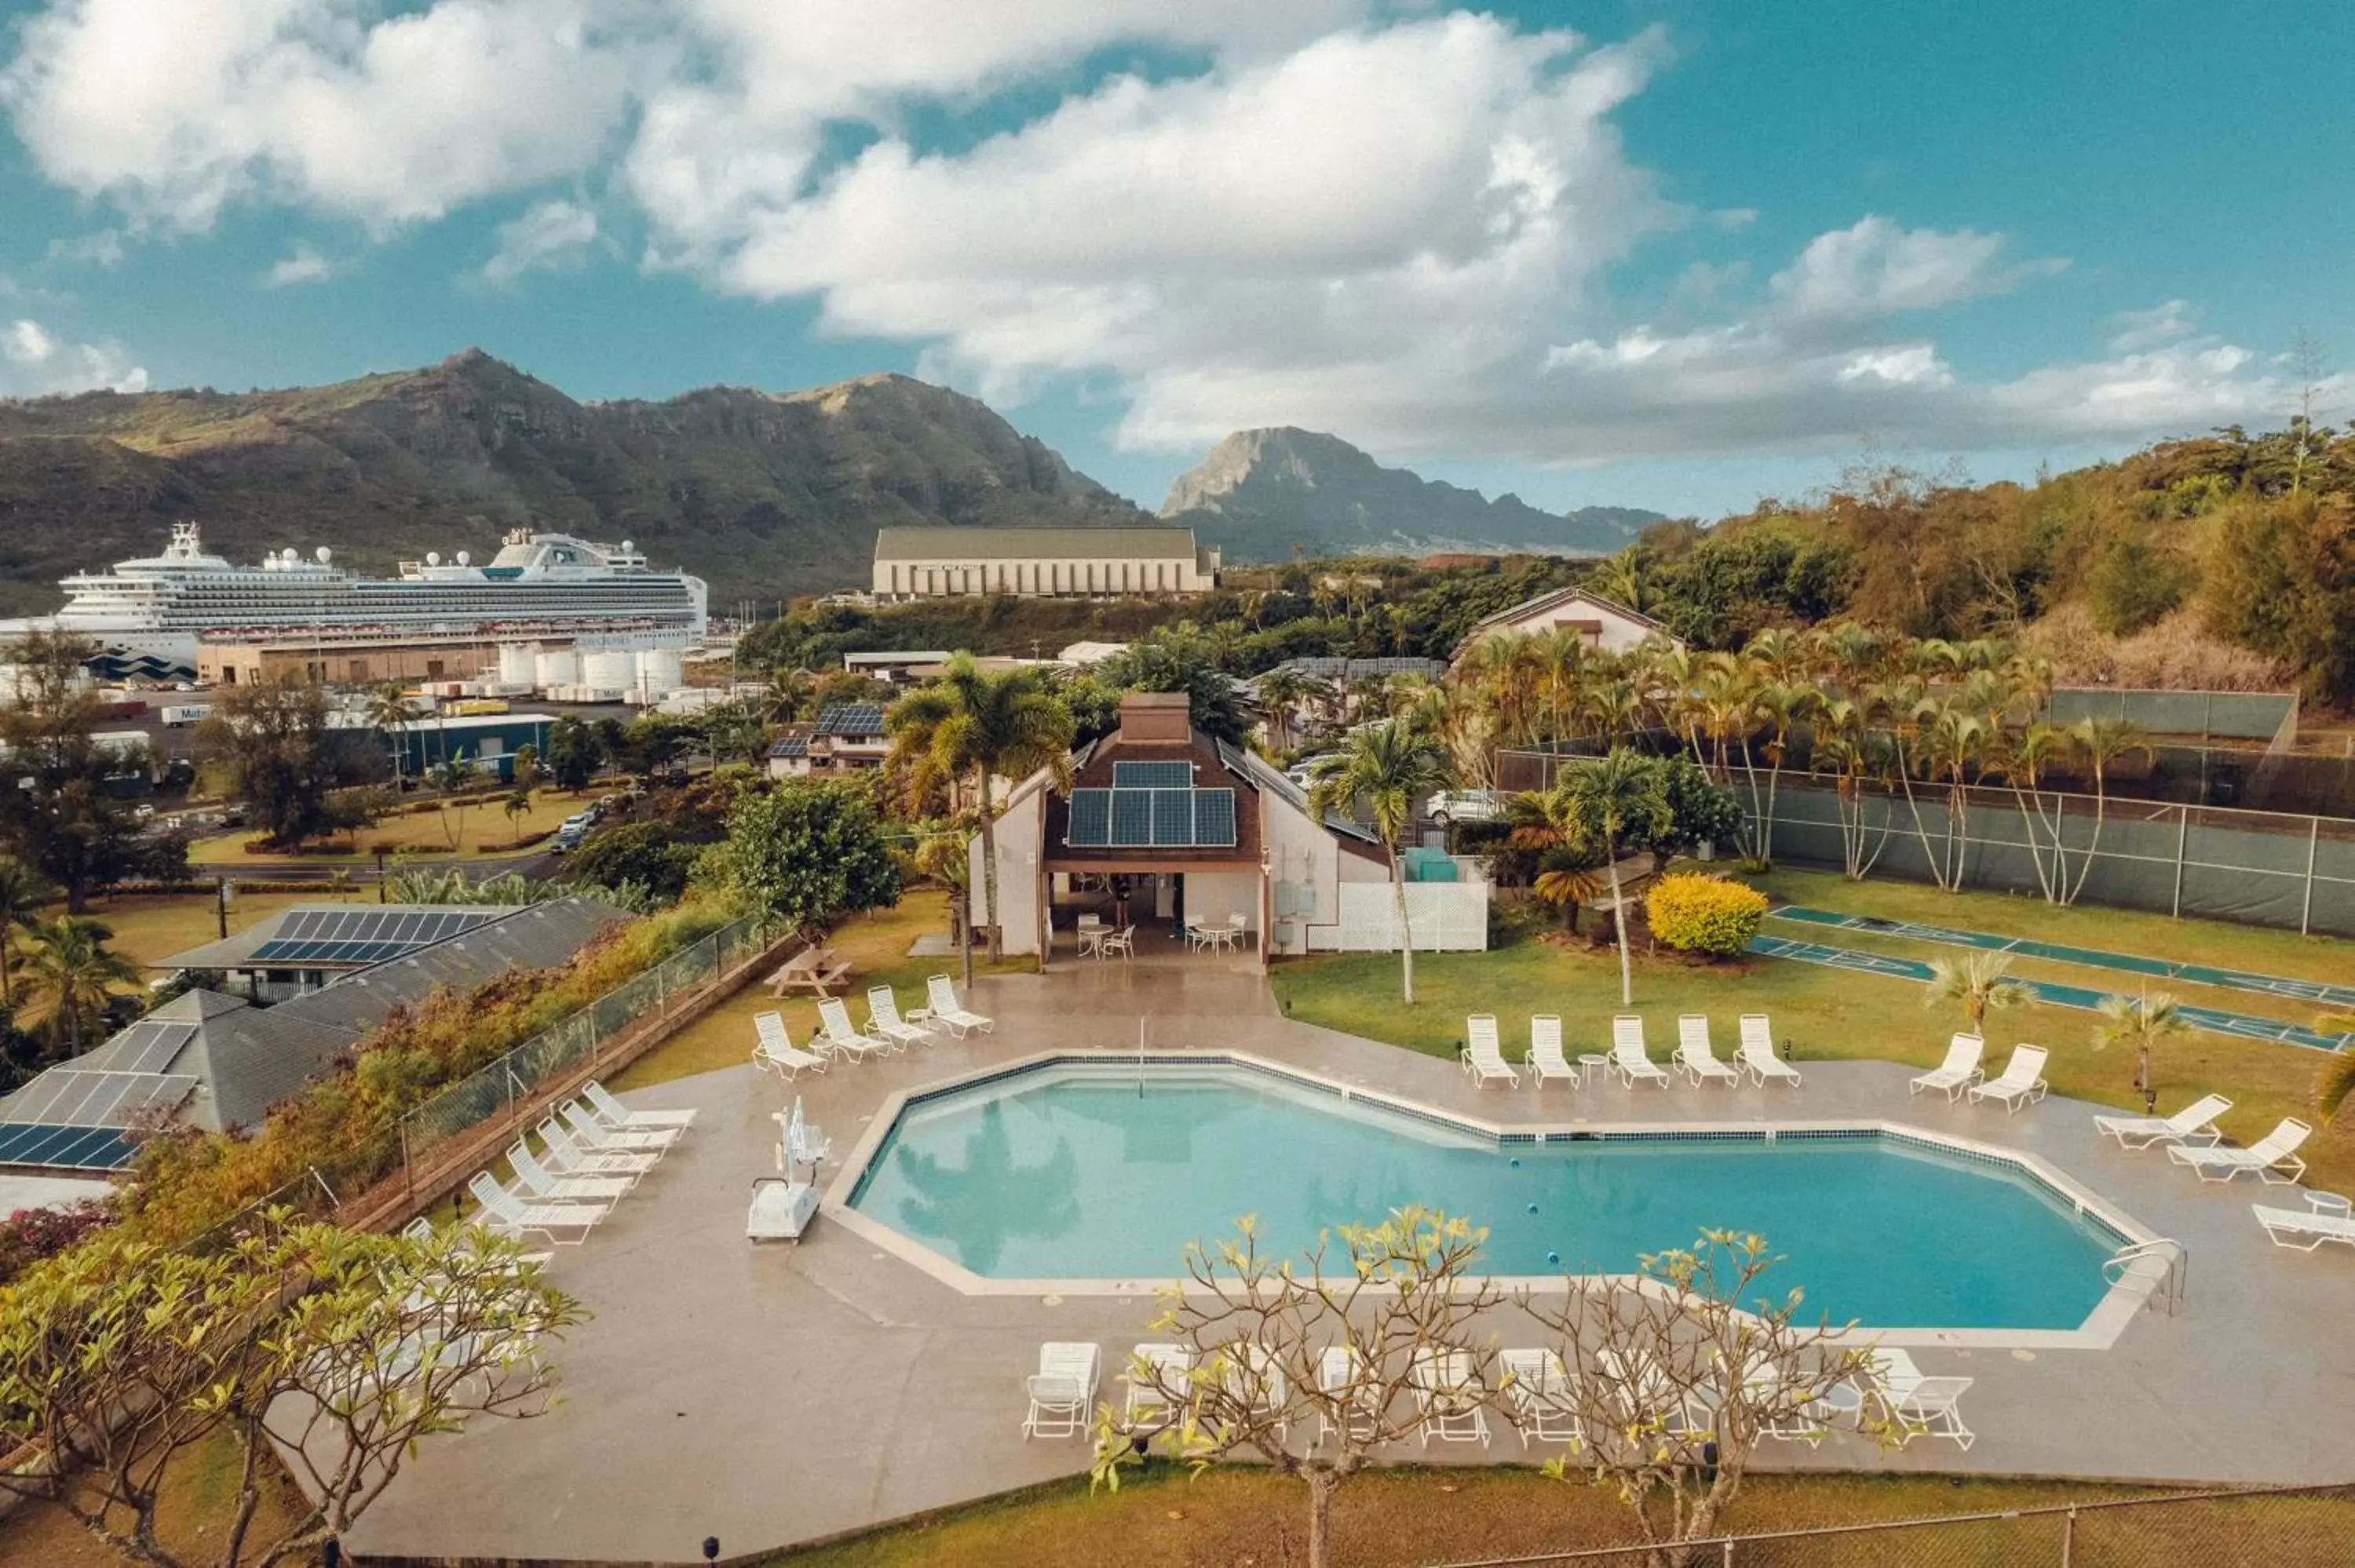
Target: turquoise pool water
{"type": "Point", "coordinates": [1069, 1172]}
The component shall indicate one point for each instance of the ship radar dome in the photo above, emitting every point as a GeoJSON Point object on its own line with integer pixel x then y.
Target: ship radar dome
{"type": "Point", "coordinates": [324, 555]}
{"type": "Point", "coordinates": [628, 548]}
{"type": "Point", "coordinates": [288, 553]}
{"type": "Point", "coordinates": [433, 558]}
{"type": "Point", "coordinates": [465, 559]}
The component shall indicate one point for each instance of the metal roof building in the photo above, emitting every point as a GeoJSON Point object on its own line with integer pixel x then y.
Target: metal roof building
{"type": "Point", "coordinates": [933, 563]}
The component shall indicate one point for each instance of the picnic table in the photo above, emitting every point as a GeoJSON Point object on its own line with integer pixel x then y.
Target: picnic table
{"type": "Point", "coordinates": [814, 970]}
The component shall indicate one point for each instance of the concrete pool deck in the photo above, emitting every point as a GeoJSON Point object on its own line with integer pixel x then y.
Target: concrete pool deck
{"type": "Point", "coordinates": [776, 1395]}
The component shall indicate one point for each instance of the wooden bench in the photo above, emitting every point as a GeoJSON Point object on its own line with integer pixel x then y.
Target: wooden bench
{"type": "Point", "coordinates": [815, 970]}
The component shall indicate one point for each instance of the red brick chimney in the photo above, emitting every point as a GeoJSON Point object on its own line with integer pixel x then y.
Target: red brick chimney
{"type": "Point", "coordinates": [1156, 716]}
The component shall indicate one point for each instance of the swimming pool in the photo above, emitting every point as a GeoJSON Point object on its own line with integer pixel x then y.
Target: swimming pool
{"type": "Point", "coordinates": [1088, 1171]}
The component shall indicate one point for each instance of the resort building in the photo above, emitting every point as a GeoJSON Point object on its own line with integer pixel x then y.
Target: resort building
{"type": "Point", "coordinates": [1072, 563]}
{"type": "Point", "coordinates": [1605, 624]}
{"type": "Point", "coordinates": [1169, 830]}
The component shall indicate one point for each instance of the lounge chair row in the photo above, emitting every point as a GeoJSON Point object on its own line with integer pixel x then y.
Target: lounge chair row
{"type": "Point", "coordinates": [1962, 1072]}
{"type": "Point", "coordinates": [1695, 1059]}
{"type": "Point", "coordinates": [1453, 1395]}
{"type": "Point", "coordinates": [592, 1152]}
{"type": "Point", "coordinates": [839, 1040]}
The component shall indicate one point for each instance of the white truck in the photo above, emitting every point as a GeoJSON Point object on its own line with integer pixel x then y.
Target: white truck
{"type": "Point", "coordinates": [182, 714]}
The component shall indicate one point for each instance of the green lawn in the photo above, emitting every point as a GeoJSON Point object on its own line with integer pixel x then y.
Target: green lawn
{"type": "Point", "coordinates": [1840, 1014]}
{"type": "Point", "coordinates": [483, 830]}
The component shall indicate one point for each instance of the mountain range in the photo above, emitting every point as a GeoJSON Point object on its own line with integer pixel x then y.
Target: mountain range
{"type": "Point", "coordinates": [765, 495]}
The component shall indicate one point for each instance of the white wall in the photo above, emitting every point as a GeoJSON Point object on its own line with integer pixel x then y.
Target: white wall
{"type": "Point", "coordinates": [1444, 917]}
{"type": "Point", "coordinates": [1617, 635]}
{"type": "Point", "coordinates": [1019, 833]}
{"type": "Point", "coordinates": [1212, 897]}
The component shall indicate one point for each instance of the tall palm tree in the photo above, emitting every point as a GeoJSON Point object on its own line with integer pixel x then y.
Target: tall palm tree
{"type": "Point", "coordinates": [1602, 802]}
{"type": "Point", "coordinates": [1281, 692]}
{"type": "Point", "coordinates": [974, 725]}
{"type": "Point", "coordinates": [23, 891]}
{"type": "Point", "coordinates": [1386, 768]}
{"type": "Point", "coordinates": [1978, 982]}
{"type": "Point", "coordinates": [2102, 742]}
{"type": "Point", "coordinates": [71, 962]}
{"type": "Point", "coordinates": [2142, 1022]}
{"type": "Point", "coordinates": [1556, 659]}
{"type": "Point", "coordinates": [389, 712]}
{"type": "Point", "coordinates": [1782, 706]}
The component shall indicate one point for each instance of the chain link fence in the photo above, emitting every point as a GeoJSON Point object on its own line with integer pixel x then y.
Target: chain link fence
{"type": "Point", "coordinates": [499, 1086]}
{"type": "Point", "coordinates": [2302, 1527]}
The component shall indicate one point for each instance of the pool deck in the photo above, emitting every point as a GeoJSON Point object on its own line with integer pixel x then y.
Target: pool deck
{"type": "Point", "coordinates": [780, 1394]}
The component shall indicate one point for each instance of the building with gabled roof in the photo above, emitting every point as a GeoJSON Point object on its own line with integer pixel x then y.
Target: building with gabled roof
{"type": "Point", "coordinates": [1029, 563]}
{"type": "Point", "coordinates": [1605, 623]}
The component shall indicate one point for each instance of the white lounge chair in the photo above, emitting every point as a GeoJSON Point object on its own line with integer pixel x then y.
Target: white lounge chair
{"type": "Point", "coordinates": [564, 1225]}
{"type": "Point", "coordinates": [2273, 1157]}
{"type": "Point", "coordinates": [1539, 1397]}
{"type": "Point", "coordinates": [2022, 1082]}
{"type": "Point", "coordinates": [775, 1049]}
{"type": "Point", "coordinates": [883, 1019]}
{"type": "Point", "coordinates": [566, 1156]}
{"type": "Point", "coordinates": [1448, 1393]}
{"type": "Point", "coordinates": [1696, 1058]}
{"type": "Point", "coordinates": [1756, 1055]}
{"type": "Point", "coordinates": [839, 1037]}
{"type": "Point", "coordinates": [2194, 1124]}
{"type": "Point", "coordinates": [621, 1119]}
{"type": "Point", "coordinates": [2303, 1230]}
{"type": "Point", "coordinates": [1958, 1071]}
{"type": "Point", "coordinates": [1917, 1405]}
{"type": "Point", "coordinates": [1646, 1396]}
{"type": "Point", "coordinates": [1252, 1381]}
{"type": "Point", "coordinates": [1063, 1392]}
{"type": "Point", "coordinates": [1629, 1059]}
{"type": "Point", "coordinates": [959, 1021]}
{"type": "Point", "coordinates": [1155, 1371]}
{"type": "Point", "coordinates": [597, 1138]}
{"type": "Point", "coordinates": [536, 1183]}
{"type": "Point", "coordinates": [1353, 1398]}
{"type": "Point", "coordinates": [1483, 1058]}
{"type": "Point", "coordinates": [1546, 1059]}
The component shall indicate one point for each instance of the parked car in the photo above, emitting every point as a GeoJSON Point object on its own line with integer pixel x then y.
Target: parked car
{"type": "Point", "coordinates": [1466, 806]}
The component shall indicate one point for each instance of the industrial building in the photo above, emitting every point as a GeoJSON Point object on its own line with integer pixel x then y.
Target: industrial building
{"type": "Point", "coordinates": [1082, 562]}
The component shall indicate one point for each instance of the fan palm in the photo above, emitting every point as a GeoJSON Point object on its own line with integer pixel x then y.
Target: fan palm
{"type": "Point", "coordinates": [1978, 982]}
{"type": "Point", "coordinates": [23, 891]}
{"type": "Point", "coordinates": [71, 962]}
{"type": "Point", "coordinates": [974, 725]}
{"type": "Point", "coordinates": [389, 712]}
{"type": "Point", "coordinates": [1386, 768]}
{"type": "Point", "coordinates": [1603, 802]}
{"type": "Point", "coordinates": [2143, 1022]}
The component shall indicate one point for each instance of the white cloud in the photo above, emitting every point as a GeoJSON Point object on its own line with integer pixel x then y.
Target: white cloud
{"type": "Point", "coordinates": [2137, 329]}
{"type": "Point", "coordinates": [1875, 268]}
{"type": "Point", "coordinates": [304, 265]}
{"type": "Point", "coordinates": [552, 234]}
{"type": "Point", "coordinates": [35, 361]}
{"type": "Point", "coordinates": [102, 248]}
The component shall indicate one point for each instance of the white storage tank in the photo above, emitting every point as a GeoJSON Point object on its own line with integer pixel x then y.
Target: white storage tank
{"type": "Point", "coordinates": [516, 663]}
{"type": "Point", "coordinates": [609, 669]}
{"type": "Point", "coordinates": [659, 670]}
{"type": "Point", "coordinates": [559, 667]}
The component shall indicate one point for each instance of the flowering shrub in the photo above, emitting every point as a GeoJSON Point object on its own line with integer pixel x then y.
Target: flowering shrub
{"type": "Point", "coordinates": [28, 1236]}
{"type": "Point", "coordinates": [1697, 913]}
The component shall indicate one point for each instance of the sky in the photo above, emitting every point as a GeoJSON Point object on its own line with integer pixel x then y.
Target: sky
{"type": "Point", "coordinates": [1656, 253]}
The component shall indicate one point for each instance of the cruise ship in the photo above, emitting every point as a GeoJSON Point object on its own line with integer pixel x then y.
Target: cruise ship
{"type": "Point", "coordinates": [538, 585]}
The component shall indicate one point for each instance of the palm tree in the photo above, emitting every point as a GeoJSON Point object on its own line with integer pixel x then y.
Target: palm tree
{"type": "Point", "coordinates": [1602, 802]}
{"type": "Point", "coordinates": [389, 711]}
{"type": "Point", "coordinates": [1783, 705]}
{"type": "Point", "coordinates": [973, 726]}
{"type": "Point", "coordinates": [2142, 1020]}
{"type": "Point", "coordinates": [71, 962]}
{"type": "Point", "coordinates": [2100, 742]}
{"type": "Point", "coordinates": [1388, 767]}
{"type": "Point", "coordinates": [1976, 983]}
{"type": "Point", "coordinates": [1281, 692]}
{"type": "Point", "coordinates": [1556, 658]}
{"type": "Point", "coordinates": [1621, 577]}
{"type": "Point", "coordinates": [23, 891]}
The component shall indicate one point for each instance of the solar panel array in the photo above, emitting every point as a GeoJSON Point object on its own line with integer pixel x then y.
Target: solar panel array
{"type": "Point", "coordinates": [65, 1148]}
{"type": "Point", "coordinates": [1123, 818]}
{"type": "Point", "coordinates": [857, 719]}
{"type": "Point", "coordinates": [149, 1046]}
{"type": "Point", "coordinates": [1151, 775]}
{"type": "Point", "coordinates": [68, 1096]}
{"type": "Point", "coordinates": [363, 936]}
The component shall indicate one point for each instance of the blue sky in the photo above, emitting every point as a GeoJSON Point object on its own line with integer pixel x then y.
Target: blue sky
{"type": "Point", "coordinates": [1693, 254]}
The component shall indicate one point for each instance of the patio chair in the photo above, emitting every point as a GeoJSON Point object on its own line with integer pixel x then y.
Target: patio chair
{"type": "Point", "coordinates": [1629, 1059]}
{"type": "Point", "coordinates": [621, 1119]}
{"type": "Point", "coordinates": [883, 1019]}
{"type": "Point", "coordinates": [1917, 1405]}
{"type": "Point", "coordinates": [1756, 1055]}
{"type": "Point", "coordinates": [1779, 1416]}
{"type": "Point", "coordinates": [1696, 1057]}
{"type": "Point", "coordinates": [2194, 1124]}
{"type": "Point", "coordinates": [536, 1183]}
{"type": "Point", "coordinates": [837, 1036]}
{"type": "Point", "coordinates": [1121, 942]}
{"type": "Point", "coordinates": [566, 1157]}
{"type": "Point", "coordinates": [597, 1138]}
{"type": "Point", "coordinates": [1148, 1399]}
{"type": "Point", "coordinates": [564, 1225]}
{"type": "Point", "coordinates": [1352, 1409]}
{"type": "Point", "coordinates": [2022, 1082]}
{"type": "Point", "coordinates": [952, 1012]}
{"type": "Point", "coordinates": [1483, 1058]}
{"type": "Point", "coordinates": [2303, 1230]}
{"type": "Point", "coordinates": [1539, 1397]}
{"type": "Point", "coordinates": [2273, 1157]}
{"type": "Point", "coordinates": [1448, 1393]}
{"type": "Point", "coordinates": [1644, 1394]}
{"type": "Point", "coordinates": [1061, 1392]}
{"type": "Point", "coordinates": [1546, 1060]}
{"type": "Point", "coordinates": [1958, 1071]}
{"type": "Point", "coordinates": [775, 1051]}
{"type": "Point", "coordinates": [1252, 1382]}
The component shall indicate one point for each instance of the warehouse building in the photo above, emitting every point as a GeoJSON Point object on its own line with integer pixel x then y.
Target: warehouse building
{"type": "Point", "coordinates": [1030, 563]}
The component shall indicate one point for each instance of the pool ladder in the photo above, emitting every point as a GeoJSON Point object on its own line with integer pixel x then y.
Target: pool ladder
{"type": "Point", "coordinates": [2157, 1268]}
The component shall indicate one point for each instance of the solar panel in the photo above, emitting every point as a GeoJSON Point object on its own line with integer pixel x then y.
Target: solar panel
{"type": "Point", "coordinates": [1214, 817]}
{"type": "Point", "coordinates": [362, 936]}
{"type": "Point", "coordinates": [1151, 775]}
{"type": "Point", "coordinates": [75, 1096]}
{"type": "Point", "coordinates": [1131, 817]}
{"type": "Point", "coordinates": [1173, 817]}
{"type": "Point", "coordinates": [65, 1148]}
{"type": "Point", "coordinates": [149, 1046]}
{"type": "Point", "coordinates": [1091, 818]}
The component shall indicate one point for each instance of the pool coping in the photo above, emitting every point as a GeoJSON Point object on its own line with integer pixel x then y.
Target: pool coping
{"type": "Point", "coordinates": [2101, 1328]}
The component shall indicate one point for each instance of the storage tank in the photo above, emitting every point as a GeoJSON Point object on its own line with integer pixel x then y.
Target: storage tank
{"type": "Point", "coordinates": [516, 663]}
{"type": "Point", "coordinates": [659, 670]}
{"type": "Point", "coordinates": [609, 669]}
{"type": "Point", "coordinates": [559, 667]}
